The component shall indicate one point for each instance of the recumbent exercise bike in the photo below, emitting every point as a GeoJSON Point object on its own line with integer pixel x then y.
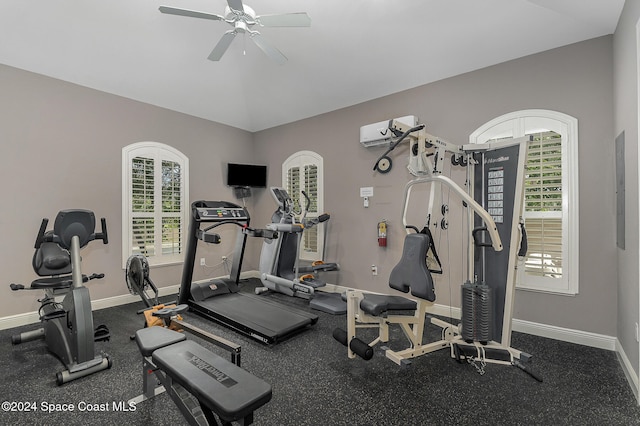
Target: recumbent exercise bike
{"type": "Point", "coordinates": [68, 325]}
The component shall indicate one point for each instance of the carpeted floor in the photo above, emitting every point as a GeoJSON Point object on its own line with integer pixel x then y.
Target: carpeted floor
{"type": "Point", "coordinates": [314, 383]}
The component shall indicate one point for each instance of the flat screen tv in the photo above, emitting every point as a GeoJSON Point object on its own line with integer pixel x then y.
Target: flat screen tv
{"type": "Point", "coordinates": [246, 175]}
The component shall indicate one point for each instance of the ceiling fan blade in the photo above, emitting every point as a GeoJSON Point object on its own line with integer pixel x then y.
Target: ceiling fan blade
{"type": "Point", "coordinates": [190, 13]}
{"type": "Point", "coordinates": [299, 19]}
{"type": "Point", "coordinates": [236, 5]}
{"type": "Point", "coordinates": [222, 46]}
{"type": "Point", "coordinates": [268, 48]}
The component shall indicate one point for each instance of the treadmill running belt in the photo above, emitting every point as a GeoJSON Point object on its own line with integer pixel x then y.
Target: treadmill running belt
{"type": "Point", "coordinates": [249, 313]}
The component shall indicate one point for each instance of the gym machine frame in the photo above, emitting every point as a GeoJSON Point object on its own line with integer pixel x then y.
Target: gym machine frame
{"type": "Point", "coordinates": [428, 170]}
{"type": "Point", "coordinates": [67, 325]}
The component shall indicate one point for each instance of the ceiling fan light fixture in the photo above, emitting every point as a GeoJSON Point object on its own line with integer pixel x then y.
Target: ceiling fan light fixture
{"type": "Point", "coordinates": [242, 18]}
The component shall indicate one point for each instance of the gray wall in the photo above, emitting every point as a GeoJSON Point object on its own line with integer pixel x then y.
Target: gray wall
{"type": "Point", "coordinates": [626, 119]}
{"type": "Point", "coordinates": [576, 80]}
{"type": "Point", "coordinates": [61, 147]}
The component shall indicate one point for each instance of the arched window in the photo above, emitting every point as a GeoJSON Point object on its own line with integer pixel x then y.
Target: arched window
{"type": "Point", "coordinates": [551, 196]}
{"type": "Point", "coordinates": [303, 171]}
{"type": "Point", "coordinates": [155, 204]}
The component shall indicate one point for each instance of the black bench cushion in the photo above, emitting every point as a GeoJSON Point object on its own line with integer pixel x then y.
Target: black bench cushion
{"type": "Point", "coordinates": [221, 386]}
{"type": "Point", "coordinates": [152, 338]}
{"type": "Point", "coordinates": [412, 273]}
{"type": "Point", "coordinates": [375, 304]}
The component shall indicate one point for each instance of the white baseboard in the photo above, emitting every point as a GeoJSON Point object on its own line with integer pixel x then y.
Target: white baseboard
{"type": "Point", "coordinates": [580, 337]}
{"type": "Point", "coordinates": [108, 302]}
{"type": "Point", "coordinates": [543, 330]}
{"type": "Point", "coordinates": [536, 329]}
{"type": "Point", "coordinates": [629, 371]}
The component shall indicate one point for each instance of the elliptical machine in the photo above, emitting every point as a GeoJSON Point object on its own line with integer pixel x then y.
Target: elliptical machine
{"type": "Point", "coordinates": [279, 260]}
{"type": "Point", "coordinates": [68, 325]}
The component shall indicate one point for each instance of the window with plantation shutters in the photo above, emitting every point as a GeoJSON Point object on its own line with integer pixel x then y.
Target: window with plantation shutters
{"type": "Point", "coordinates": [155, 204]}
{"type": "Point", "coordinates": [303, 172]}
{"type": "Point", "coordinates": [542, 211]}
{"type": "Point", "coordinates": [550, 209]}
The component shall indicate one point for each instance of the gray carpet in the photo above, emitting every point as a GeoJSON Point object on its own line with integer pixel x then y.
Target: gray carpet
{"type": "Point", "coordinates": [314, 383]}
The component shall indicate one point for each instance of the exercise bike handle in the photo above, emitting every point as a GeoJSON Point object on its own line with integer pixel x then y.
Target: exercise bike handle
{"type": "Point", "coordinates": [40, 238]}
{"type": "Point", "coordinates": [103, 235]}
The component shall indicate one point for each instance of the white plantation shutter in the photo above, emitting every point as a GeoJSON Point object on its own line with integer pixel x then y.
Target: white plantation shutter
{"type": "Point", "coordinates": [293, 185]}
{"type": "Point", "coordinates": [543, 206]}
{"type": "Point", "coordinates": [303, 172]}
{"type": "Point", "coordinates": [172, 208]}
{"type": "Point", "coordinates": [551, 203]}
{"type": "Point", "coordinates": [142, 206]}
{"type": "Point", "coordinates": [155, 205]}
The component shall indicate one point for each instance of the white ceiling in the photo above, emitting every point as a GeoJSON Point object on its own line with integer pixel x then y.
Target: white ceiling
{"type": "Point", "coordinates": [354, 51]}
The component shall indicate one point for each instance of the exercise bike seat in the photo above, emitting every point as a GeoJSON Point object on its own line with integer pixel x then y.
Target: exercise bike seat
{"type": "Point", "coordinates": [56, 283]}
{"type": "Point", "coordinates": [51, 259]}
{"type": "Point", "coordinates": [53, 283]}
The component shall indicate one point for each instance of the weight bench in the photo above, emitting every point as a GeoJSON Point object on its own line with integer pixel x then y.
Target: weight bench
{"type": "Point", "coordinates": [200, 382]}
{"type": "Point", "coordinates": [379, 311]}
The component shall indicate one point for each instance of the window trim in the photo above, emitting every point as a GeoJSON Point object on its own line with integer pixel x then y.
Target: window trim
{"type": "Point", "coordinates": [316, 159]}
{"type": "Point", "coordinates": [518, 123]}
{"type": "Point", "coordinates": [159, 152]}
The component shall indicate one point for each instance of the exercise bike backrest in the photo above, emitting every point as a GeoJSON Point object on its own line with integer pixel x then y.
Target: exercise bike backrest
{"type": "Point", "coordinates": [52, 247]}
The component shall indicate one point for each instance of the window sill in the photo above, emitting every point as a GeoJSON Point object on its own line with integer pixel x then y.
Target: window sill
{"type": "Point", "coordinates": [558, 292]}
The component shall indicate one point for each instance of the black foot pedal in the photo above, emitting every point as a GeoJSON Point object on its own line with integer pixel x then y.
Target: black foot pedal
{"type": "Point", "coordinates": [101, 334]}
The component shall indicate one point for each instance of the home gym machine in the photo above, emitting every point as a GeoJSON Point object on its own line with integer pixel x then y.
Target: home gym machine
{"type": "Point", "coordinates": [494, 198]}
{"type": "Point", "coordinates": [279, 259]}
{"type": "Point", "coordinates": [67, 326]}
{"type": "Point", "coordinates": [220, 299]}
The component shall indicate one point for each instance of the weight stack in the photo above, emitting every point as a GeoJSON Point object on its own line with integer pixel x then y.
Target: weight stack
{"type": "Point", "coordinates": [477, 315]}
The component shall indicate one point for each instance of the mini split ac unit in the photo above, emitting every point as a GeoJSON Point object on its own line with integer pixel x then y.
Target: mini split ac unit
{"type": "Point", "coordinates": [378, 134]}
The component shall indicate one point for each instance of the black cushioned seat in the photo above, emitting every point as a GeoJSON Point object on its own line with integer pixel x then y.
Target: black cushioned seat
{"type": "Point", "coordinates": [221, 386]}
{"type": "Point", "coordinates": [412, 273]}
{"type": "Point", "coordinates": [374, 304]}
{"type": "Point", "coordinates": [52, 283]}
{"type": "Point", "coordinates": [152, 338]}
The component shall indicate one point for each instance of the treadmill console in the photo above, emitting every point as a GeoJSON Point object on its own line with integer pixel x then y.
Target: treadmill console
{"type": "Point", "coordinates": [217, 214]}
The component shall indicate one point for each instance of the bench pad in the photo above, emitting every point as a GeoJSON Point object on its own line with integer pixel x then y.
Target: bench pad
{"type": "Point", "coordinates": [221, 386]}
{"type": "Point", "coordinates": [374, 304]}
{"type": "Point", "coordinates": [152, 338]}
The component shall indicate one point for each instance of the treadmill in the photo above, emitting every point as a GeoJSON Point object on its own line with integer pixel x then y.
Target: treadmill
{"type": "Point", "coordinates": [220, 299]}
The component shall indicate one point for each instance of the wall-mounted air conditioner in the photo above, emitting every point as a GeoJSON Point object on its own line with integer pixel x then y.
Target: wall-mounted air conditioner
{"type": "Point", "coordinates": [378, 134]}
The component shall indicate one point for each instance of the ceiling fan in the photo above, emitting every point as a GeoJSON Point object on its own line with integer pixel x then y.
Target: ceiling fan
{"type": "Point", "coordinates": [242, 18]}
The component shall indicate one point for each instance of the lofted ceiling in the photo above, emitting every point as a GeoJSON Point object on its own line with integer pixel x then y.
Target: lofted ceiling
{"type": "Point", "coordinates": [354, 50]}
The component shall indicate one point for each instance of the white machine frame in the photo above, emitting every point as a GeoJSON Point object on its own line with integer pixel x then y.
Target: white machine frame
{"type": "Point", "coordinates": [427, 154]}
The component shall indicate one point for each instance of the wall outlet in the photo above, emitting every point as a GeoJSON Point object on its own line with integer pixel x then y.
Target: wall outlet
{"type": "Point", "coordinates": [202, 262]}
{"type": "Point", "coordinates": [374, 270]}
